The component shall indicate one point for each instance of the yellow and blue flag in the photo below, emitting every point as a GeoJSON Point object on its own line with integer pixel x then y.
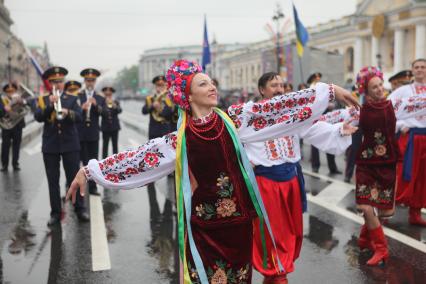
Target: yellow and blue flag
{"type": "Point", "coordinates": [302, 35]}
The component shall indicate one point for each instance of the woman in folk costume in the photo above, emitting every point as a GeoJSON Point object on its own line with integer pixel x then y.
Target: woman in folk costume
{"type": "Point", "coordinates": [217, 195]}
{"type": "Point", "coordinates": [377, 156]}
{"type": "Point", "coordinates": [281, 183]}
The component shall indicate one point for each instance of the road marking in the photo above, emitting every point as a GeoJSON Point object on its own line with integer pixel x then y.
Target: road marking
{"type": "Point", "coordinates": [335, 192]}
{"type": "Point", "coordinates": [100, 250]}
{"type": "Point", "coordinates": [36, 149]}
{"type": "Point", "coordinates": [358, 219]}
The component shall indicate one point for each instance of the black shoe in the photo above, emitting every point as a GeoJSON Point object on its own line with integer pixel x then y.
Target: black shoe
{"type": "Point", "coordinates": [83, 217]}
{"type": "Point", "coordinates": [315, 170]}
{"type": "Point", "coordinates": [54, 220]}
{"type": "Point", "coordinates": [347, 179]}
{"type": "Point", "coordinates": [336, 172]}
{"type": "Point", "coordinates": [16, 168]}
{"type": "Point", "coordinates": [4, 169]}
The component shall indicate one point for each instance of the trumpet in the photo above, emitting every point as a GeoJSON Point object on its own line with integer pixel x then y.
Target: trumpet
{"type": "Point", "coordinates": [58, 104]}
{"type": "Point", "coordinates": [110, 103]}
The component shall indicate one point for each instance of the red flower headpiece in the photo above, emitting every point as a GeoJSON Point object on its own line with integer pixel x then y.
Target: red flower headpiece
{"type": "Point", "coordinates": [179, 77]}
{"type": "Point", "coordinates": [365, 75]}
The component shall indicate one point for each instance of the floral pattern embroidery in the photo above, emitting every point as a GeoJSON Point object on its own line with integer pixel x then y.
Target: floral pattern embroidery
{"type": "Point", "coordinates": [222, 273]}
{"type": "Point", "coordinates": [171, 139]}
{"type": "Point", "coordinates": [375, 193]}
{"type": "Point", "coordinates": [124, 165]}
{"type": "Point", "coordinates": [379, 150]}
{"type": "Point", "coordinates": [280, 109]}
{"type": "Point", "coordinates": [224, 207]}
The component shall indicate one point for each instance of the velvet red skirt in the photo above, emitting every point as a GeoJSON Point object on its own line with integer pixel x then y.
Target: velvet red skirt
{"type": "Point", "coordinates": [283, 204]}
{"type": "Point", "coordinates": [413, 193]}
{"type": "Point", "coordinates": [375, 185]}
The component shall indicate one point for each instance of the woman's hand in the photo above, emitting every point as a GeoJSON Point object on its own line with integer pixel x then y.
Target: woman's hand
{"type": "Point", "coordinates": [79, 182]}
{"type": "Point", "coordinates": [348, 129]}
{"type": "Point", "coordinates": [345, 97]}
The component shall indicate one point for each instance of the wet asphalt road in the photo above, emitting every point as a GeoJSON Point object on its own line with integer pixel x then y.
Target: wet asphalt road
{"type": "Point", "coordinates": [141, 239]}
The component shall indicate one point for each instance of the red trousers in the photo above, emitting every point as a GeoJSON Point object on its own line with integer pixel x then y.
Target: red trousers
{"type": "Point", "coordinates": [283, 204]}
{"type": "Point", "coordinates": [413, 193]}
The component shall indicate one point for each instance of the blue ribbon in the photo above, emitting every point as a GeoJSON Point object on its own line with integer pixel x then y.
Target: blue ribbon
{"type": "Point", "coordinates": [409, 152]}
{"type": "Point", "coordinates": [285, 172]}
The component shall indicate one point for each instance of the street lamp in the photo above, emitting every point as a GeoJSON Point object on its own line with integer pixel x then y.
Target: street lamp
{"type": "Point", "coordinates": [278, 15]}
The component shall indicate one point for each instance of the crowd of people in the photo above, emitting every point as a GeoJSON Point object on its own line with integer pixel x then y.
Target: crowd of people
{"type": "Point", "coordinates": [240, 191]}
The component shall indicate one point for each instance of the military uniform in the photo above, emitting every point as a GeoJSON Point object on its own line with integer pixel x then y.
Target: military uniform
{"type": "Point", "coordinates": [160, 124]}
{"type": "Point", "coordinates": [72, 87]}
{"type": "Point", "coordinates": [159, 121]}
{"type": "Point", "coordinates": [60, 141]}
{"type": "Point", "coordinates": [110, 124]}
{"type": "Point", "coordinates": [10, 137]}
{"type": "Point", "coordinates": [88, 128]}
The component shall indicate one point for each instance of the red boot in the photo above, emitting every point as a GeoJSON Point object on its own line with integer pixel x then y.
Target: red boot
{"type": "Point", "coordinates": [415, 217]}
{"type": "Point", "coordinates": [381, 253]}
{"type": "Point", "coordinates": [364, 241]}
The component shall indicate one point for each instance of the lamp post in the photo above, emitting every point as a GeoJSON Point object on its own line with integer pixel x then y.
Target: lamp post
{"type": "Point", "coordinates": [278, 15]}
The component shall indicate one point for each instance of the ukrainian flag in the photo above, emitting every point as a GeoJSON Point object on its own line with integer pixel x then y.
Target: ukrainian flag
{"type": "Point", "coordinates": [302, 35]}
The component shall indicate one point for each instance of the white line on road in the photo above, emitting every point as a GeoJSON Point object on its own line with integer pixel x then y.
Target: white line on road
{"type": "Point", "coordinates": [100, 250]}
{"type": "Point", "coordinates": [388, 232]}
{"type": "Point", "coordinates": [33, 149]}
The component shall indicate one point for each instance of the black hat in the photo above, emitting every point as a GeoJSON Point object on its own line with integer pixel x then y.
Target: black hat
{"type": "Point", "coordinates": [55, 73]}
{"type": "Point", "coordinates": [72, 85]}
{"type": "Point", "coordinates": [10, 87]}
{"type": "Point", "coordinates": [159, 78]}
{"type": "Point", "coordinates": [312, 77]}
{"type": "Point", "coordinates": [404, 74]}
{"type": "Point", "coordinates": [90, 73]}
{"type": "Point", "coordinates": [104, 89]}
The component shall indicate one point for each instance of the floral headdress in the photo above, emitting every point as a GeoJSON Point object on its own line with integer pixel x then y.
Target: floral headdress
{"type": "Point", "coordinates": [365, 75]}
{"type": "Point", "coordinates": [179, 77]}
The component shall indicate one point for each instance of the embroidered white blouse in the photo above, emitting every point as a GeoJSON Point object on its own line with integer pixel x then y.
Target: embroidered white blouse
{"type": "Point", "coordinates": [405, 92]}
{"type": "Point", "coordinates": [283, 115]}
{"type": "Point", "coordinates": [409, 112]}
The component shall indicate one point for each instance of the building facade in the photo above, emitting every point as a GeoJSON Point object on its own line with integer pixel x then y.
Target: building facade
{"type": "Point", "coordinates": [385, 33]}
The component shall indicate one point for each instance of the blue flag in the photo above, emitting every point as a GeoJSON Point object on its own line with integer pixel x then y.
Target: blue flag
{"type": "Point", "coordinates": [302, 35]}
{"type": "Point", "coordinates": [206, 47]}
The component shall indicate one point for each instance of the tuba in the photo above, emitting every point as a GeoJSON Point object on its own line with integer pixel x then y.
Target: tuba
{"type": "Point", "coordinates": [157, 98]}
{"type": "Point", "coordinates": [19, 110]}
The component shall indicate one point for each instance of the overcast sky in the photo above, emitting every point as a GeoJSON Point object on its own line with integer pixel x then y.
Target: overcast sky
{"type": "Point", "coordinates": [111, 34]}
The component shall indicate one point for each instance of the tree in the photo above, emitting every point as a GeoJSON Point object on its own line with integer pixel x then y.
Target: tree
{"type": "Point", "coordinates": [127, 78]}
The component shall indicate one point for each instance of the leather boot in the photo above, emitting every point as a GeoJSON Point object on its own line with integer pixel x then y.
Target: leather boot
{"type": "Point", "coordinates": [415, 217]}
{"type": "Point", "coordinates": [381, 253]}
{"type": "Point", "coordinates": [364, 241]}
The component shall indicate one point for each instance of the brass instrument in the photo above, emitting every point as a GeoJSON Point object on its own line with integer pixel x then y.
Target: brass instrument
{"type": "Point", "coordinates": [89, 96]}
{"type": "Point", "coordinates": [19, 110]}
{"type": "Point", "coordinates": [58, 104]}
{"type": "Point", "coordinates": [157, 98]}
{"type": "Point", "coordinates": [110, 103]}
